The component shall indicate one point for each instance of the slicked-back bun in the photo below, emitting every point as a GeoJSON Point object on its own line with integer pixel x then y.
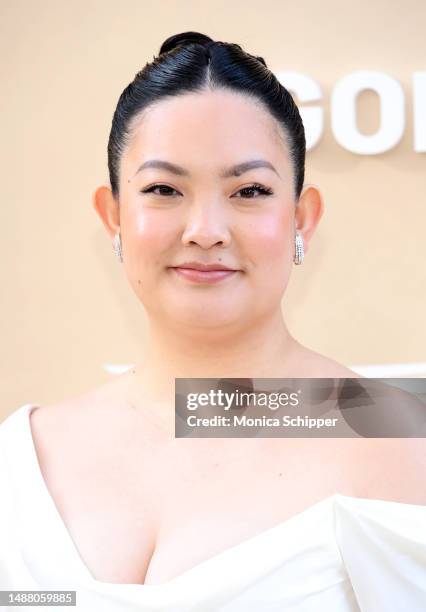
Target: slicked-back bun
{"type": "Point", "coordinates": [184, 38]}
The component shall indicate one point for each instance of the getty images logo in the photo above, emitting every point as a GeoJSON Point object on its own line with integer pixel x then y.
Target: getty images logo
{"type": "Point", "coordinates": [241, 399]}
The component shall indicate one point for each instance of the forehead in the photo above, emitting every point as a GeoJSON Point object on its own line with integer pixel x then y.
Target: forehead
{"type": "Point", "coordinates": [206, 129]}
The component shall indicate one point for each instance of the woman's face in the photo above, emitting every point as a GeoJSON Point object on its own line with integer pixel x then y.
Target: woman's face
{"type": "Point", "coordinates": [167, 218]}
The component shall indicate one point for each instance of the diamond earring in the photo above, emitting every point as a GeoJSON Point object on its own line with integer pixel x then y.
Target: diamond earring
{"type": "Point", "coordinates": [117, 246]}
{"type": "Point", "coordinates": [299, 251]}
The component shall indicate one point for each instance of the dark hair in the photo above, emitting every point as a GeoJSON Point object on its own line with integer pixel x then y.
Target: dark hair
{"type": "Point", "coordinates": [192, 62]}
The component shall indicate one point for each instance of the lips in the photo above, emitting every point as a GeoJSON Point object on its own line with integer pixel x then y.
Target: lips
{"type": "Point", "coordinates": [204, 273]}
{"type": "Point", "coordinates": [198, 265]}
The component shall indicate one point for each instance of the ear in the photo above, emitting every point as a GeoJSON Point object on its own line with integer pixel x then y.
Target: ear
{"type": "Point", "coordinates": [107, 208]}
{"type": "Point", "coordinates": [309, 210]}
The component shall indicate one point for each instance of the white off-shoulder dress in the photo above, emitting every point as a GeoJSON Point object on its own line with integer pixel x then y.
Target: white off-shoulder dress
{"type": "Point", "coordinates": [342, 554]}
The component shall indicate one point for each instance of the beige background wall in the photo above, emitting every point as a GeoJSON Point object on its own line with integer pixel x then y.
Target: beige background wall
{"type": "Point", "coordinates": [67, 309]}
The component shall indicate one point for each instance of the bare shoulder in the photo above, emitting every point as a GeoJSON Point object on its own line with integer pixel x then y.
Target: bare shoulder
{"type": "Point", "coordinates": [397, 466]}
{"type": "Point", "coordinates": [51, 418]}
{"type": "Point", "coordinates": [316, 365]}
{"type": "Point", "coordinates": [333, 369]}
{"type": "Point", "coordinates": [392, 469]}
{"type": "Point", "coordinates": [57, 426]}
{"type": "Point", "coordinates": [100, 398]}
{"type": "Point", "coordinates": [77, 417]}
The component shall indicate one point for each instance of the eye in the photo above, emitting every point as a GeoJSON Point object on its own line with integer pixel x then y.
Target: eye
{"type": "Point", "coordinates": [255, 187]}
{"type": "Point", "coordinates": [152, 188]}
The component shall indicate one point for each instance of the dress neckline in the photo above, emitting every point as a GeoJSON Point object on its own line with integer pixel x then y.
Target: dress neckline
{"type": "Point", "coordinates": [322, 508]}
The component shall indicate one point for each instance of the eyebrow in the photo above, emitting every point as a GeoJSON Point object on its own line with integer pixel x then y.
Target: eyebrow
{"type": "Point", "coordinates": [228, 172]}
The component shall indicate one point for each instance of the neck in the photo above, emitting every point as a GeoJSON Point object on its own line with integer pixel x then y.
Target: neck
{"type": "Point", "coordinates": [265, 350]}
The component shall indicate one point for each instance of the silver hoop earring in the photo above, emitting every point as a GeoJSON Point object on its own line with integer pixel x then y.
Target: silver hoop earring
{"type": "Point", "coordinates": [299, 250]}
{"type": "Point", "coordinates": [117, 246]}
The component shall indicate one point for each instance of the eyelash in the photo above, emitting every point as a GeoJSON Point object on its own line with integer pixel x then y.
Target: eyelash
{"type": "Point", "coordinates": [264, 191]}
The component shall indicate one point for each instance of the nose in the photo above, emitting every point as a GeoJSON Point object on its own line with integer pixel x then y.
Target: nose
{"type": "Point", "coordinates": [206, 224]}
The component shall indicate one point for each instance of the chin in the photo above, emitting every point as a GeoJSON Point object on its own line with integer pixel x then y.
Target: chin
{"type": "Point", "coordinates": [207, 316]}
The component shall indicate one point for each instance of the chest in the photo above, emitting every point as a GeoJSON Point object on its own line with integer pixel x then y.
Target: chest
{"type": "Point", "coordinates": [146, 517]}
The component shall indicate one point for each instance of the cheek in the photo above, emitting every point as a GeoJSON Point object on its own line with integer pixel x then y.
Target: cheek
{"type": "Point", "coordinates": [269, 240]}
{"type": "Point", "coordinates": [148, 236]}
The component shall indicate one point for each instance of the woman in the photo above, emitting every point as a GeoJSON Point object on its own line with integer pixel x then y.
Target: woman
{"type": "Point", "coordinates": [206, 160]}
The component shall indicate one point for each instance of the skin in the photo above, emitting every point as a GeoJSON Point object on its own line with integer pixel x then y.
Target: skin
{"type": "Point", "coordinates": [140, 506]}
